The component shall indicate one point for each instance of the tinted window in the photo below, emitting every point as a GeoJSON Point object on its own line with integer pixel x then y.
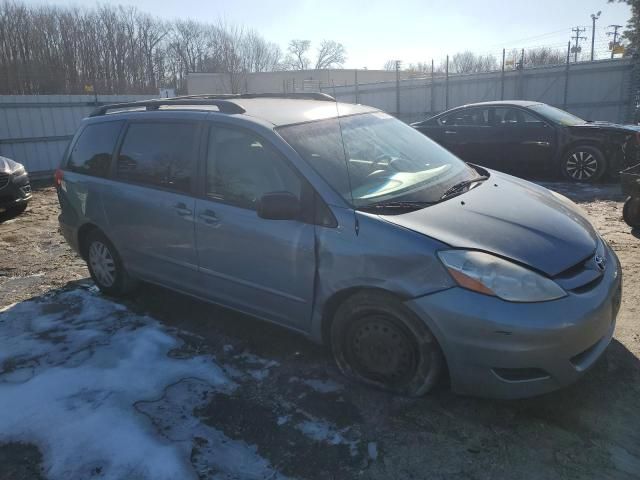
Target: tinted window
{"type": "Point", "coordinates": [557, 115]}
{"type": "Point", "coordinates": [470, 117]}
{"type": "Point", "coordinates": [158, 154]}
{"type": "Point", "coordinates": [241, 168]}
{"type": "Point", "coordinates": [92, 152]}
{"type": "Point", "coordinates": [514, 116]}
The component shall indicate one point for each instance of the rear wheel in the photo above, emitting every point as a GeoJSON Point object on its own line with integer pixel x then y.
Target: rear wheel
{"type": "Point", "coordinates": [105, 265]}
{"type": "Point", "coordinates": [631, 212]}
{"type": "Point", "coordinates": [583, 164]}
{"type": "Point", "coordinates": [377, 340]}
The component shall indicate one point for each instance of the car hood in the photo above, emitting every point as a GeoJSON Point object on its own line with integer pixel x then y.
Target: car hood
{"type": "Point", "coordinates": [511, 218]}
{"type": "Point", "coordinates": [7, 165]}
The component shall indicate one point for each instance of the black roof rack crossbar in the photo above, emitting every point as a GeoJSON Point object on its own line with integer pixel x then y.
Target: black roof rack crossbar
{"type": "Point", "coordinates": [150, 105]}
{"type": "Point", "coordinates": [235, 96]}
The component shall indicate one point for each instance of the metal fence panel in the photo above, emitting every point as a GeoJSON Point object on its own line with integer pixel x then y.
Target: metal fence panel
{"type": "Point", "coordinates": [35, 129]}
{"type": "Point", "coordinates": [600, 90]}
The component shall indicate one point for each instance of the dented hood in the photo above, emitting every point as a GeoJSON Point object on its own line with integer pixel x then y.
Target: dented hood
{"type": "Point", "coordinates": [511, 218]}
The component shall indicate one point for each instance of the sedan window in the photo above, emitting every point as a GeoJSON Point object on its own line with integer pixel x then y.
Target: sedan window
{"type": "Point", "coordinates": [474, 117]}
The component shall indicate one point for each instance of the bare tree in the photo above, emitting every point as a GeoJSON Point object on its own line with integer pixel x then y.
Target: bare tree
{"type": "Point", "coordinates": [544, 56]}
{"type": "Point", "coordinates": [331, 54]}
{"type": "Point", "coordinates": [50, 49]}
{"type": "Point", "coordinates": [469, 62]}
{"type": "Point", "coordinates": [297, 58]}
{"type": "Point", "coordinates": [389, 65]}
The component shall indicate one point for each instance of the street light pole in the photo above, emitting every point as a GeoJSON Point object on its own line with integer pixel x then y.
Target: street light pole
{"type": "Point", "coordinates": [594, 17]}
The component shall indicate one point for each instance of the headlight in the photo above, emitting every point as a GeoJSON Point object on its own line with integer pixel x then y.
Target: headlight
{"type": "Point", "coordinates": [484, 273]}
{"type": "Point", "coordinates": [19, 170]}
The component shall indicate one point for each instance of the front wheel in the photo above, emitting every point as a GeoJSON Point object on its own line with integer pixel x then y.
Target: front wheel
{"type": "Point", "coordinates": [377, 340]}
{"type": "Point", "coordinates": [631, 212]}
{"type": "Point", "coordinates": [583, 164]}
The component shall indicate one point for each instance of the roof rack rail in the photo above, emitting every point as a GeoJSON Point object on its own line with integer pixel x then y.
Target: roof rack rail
{"type": "Point", "coordinates": [235, 96]}
{"type": "Point", "coordinates": [151, 105]}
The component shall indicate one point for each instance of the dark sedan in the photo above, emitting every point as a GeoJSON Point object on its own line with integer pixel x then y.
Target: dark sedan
{"type": "Point", "coordinates": [525, 138]}
{"type": "Point", "coordinates": [15, 189]}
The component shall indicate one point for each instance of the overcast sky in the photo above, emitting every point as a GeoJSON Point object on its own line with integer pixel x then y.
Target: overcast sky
{"type": "Point", "coordinates": [374, 31]}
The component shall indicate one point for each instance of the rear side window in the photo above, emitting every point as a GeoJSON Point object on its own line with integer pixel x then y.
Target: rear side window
{"type": "Point", "coordinates": [158, 154]}
{"type": "Point", "coordinates": [92, 152]}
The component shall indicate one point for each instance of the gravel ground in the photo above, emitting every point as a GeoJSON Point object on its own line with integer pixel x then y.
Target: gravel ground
{"type": "Point", "coordinates": [588, 430]}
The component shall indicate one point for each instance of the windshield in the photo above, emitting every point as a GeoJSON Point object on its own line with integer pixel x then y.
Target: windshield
{"type": "Point", "coordinates": [556, 115]}
{"type": "Point", "coordinates": [388, 160]}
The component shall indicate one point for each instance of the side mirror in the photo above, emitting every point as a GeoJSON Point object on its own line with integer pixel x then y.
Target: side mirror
{"type": "Point", "coordinates": [279, 206]}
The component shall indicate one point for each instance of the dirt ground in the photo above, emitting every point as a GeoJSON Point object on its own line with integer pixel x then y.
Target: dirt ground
{"type": "Point", "coordinates": [588, 430]}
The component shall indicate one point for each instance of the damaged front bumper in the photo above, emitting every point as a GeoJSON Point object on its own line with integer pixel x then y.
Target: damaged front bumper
{"type": "Point", "coordinates": [502, 349]}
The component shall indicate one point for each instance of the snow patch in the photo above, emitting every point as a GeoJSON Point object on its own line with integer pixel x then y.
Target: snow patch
{"type": "Point", "coordinates": [93, 386]}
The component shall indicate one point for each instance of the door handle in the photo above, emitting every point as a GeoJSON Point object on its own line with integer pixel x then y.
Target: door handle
{"type": "Point", "coordinates": [450, 132]}
{"type": "Point", "coordinates": [537, 143]}
{"type": "Point", "coordinates": [182, 210]}
{"type": "Point", "coordinates": [209, 216]}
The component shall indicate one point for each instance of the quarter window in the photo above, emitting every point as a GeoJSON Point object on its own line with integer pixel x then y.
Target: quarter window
{"type": "Point", "coordinates": [158, 154]}
{"type": "Point", "coordinates": [241, 168]}
{"type": "Point", "coordinates": [92, 152]}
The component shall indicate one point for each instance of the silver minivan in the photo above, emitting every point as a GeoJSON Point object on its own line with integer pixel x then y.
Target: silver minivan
{"type": "Point", "coordinates": [344, 224]}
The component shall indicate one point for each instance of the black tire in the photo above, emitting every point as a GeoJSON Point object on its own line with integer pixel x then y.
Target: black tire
{"type": "Point", "coordinates": [631, 212]}
{"type": "Point", "coordinates": [17, 209]}
{"type": "Point", "coordinates": [105, 265]}
{"type": "Point", "coordinates": [583, 164]}
{"type": "Point", "coordinates": [377, 340]}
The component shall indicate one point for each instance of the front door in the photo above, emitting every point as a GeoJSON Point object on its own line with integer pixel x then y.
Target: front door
{"type": "Point", "coordinates": [263, 267]}
{"type": "Point", "coordinates": [527, 144]}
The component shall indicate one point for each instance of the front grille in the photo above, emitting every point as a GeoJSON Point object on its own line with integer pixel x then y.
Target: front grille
{"type": "Point", "coordinates": [586, 274]}
{"type": "Point", "coordinates": [4, 179]}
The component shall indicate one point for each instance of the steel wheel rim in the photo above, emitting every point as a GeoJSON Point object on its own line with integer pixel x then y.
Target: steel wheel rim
{"type": "Point", "coordinates": [380, 350]}
{"type": "Point", "coordinates": [102, 263]}
{"type": "Point", "coordinates": [581, 166]}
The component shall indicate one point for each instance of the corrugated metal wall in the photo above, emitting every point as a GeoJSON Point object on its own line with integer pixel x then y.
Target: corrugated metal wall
{"type": "Point", "coordinates": [598, 90]}
{"type": "Point", "coordinates": [35, 129]}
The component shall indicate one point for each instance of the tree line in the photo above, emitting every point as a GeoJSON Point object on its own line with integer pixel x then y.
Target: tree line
{"type": "Point", "coordinates": [109, 50]}
{"type": "Point", "coordinates": [470, 62]}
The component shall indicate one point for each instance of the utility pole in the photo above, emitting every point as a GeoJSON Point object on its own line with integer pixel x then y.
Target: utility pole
{"type": "Point", "coordinates": [594, 17]}
{"type": "Point", "coordinates": [576, 48]}
{"type": "Point", "coordinates": [614, 44]}
{"type": "Point", "coordinates": [398, 87]}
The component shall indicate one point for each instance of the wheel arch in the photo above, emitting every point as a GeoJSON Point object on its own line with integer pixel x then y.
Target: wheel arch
{"type": "Point", "coordinates": [332, 304]}
{"type": "Point", "coordinates": [83, 233]}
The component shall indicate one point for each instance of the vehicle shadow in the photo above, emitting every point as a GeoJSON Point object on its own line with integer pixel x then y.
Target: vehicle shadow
{"type": "Point", "coordinates": [590, 429]}
{"type": "Point", "coordinates": [590, 426]}
{"type": "Point", "coordinates": [10, 215]}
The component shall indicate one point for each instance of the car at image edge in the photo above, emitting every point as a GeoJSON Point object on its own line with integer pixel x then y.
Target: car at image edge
{"type": "Point", "coordinates": [354, 230]}
{"type": "Point", "coordinates": [15, 189]}
{"type": "Point", "coordinates": [532, 138]}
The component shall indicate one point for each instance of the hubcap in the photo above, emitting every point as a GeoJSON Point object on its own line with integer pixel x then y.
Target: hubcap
{"type": "Point", "coordinates": [382, 351]}
{"type": "Point", "coordinates": [582, 166]}
{"type": "Point", "coordinates": [102, 263]}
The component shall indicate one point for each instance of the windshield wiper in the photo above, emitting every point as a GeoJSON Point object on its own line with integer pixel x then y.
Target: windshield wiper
{"type": "Point", "coordinates": [395, 205]}
{"type": "Point", "coordinates": [459, 187]}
